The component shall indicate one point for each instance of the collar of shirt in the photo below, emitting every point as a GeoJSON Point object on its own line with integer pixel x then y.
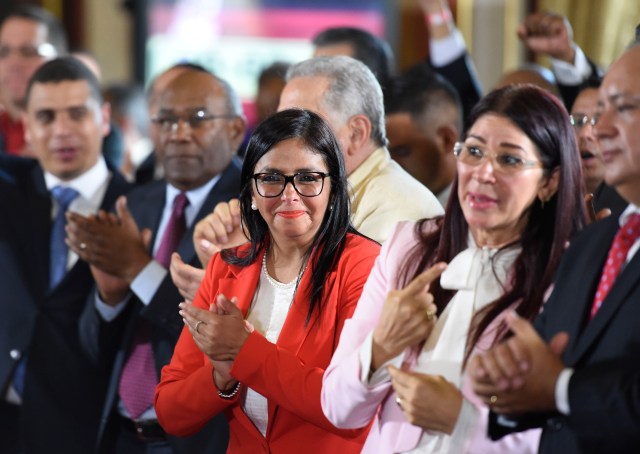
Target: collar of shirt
{"type": "Point", "coordinates": [624, 217]}
{"type": "Point", "coordinates": [91, 186]}
{"type": "Point", "coordinates": [376, 160]}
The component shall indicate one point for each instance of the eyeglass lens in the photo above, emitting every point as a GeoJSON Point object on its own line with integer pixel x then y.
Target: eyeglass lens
{"type": "Point", "coordinates": [308, 184]}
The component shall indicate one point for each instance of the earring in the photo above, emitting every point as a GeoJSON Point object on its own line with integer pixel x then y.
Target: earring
{"type": "Point", "coordinates": [253, 206]}
{"type": "Point", "coordinates": [542, 202]}
{"type": "Point", "coordinates": [331, 207]}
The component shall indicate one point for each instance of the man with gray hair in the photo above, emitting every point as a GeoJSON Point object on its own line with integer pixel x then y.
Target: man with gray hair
{"type": "Point", "coordinates": [348, 96]}
{"type": "Point", "coordinates": [346, 93]}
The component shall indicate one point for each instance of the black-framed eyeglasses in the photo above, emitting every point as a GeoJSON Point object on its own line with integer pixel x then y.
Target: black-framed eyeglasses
{"type": "Point", "coordinates": [579, 120]}
{"type": "Point", "coordinates": [195, 119]}
{"type": "Point", "coordinates": [307, 184]}
{"type": "Point", "coordinates": [503, 162]}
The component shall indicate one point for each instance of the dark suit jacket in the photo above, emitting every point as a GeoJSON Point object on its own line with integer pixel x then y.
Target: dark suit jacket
{"type": "Point", "coordinates": [462, 75]}
{"type": "Point", "coordinates": [63, 390]}
{"type": "Point", "coordinates": [604, 392]}
{"type": "Point", "coordinates": [146, 204]}
{"type": "Point", "coordinates": [607, 197]}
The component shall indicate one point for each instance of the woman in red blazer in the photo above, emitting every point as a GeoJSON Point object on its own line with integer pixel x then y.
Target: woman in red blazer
{"type": "Point", "coordinates": [268, 315]}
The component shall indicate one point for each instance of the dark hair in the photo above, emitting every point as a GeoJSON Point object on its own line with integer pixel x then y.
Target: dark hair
{"type": "Point", "coordinates": [419, 91]}
{"type": "Point", "coordinates": [127, 100]}
{"type": "Point", "coordinates": [374, 52]}
{"type": "Point", "coordinates": [276, 70]}
{"type": "Point", "coordinates": [65, 69]}
{"type": "Point", "coordinates": [56, 35]}
{"type": "Point", "coordinates": [329, 241]}
{"type": "Point", "coordinates": [544, 120]}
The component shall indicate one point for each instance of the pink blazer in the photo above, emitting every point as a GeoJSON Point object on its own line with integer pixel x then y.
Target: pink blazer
{"type": "Point", "coordinates": [347, 403]}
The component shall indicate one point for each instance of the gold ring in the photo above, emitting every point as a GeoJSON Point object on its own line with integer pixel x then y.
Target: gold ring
{"type": "Point", "coordinates": [197, 326]}
{"type": "Point", "coordinates": [431, 315]}
{"type": "Point", "coordinates": [493, 399]}
{"type": "Point", "coordinates": [82, 246]}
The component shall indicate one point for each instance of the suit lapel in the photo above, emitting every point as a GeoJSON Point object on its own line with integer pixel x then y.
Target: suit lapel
{"type": "Point", "coordinates": [593, 264]}
{"type": "Point", "coordinates": [241, 283]}
{"type": "Point", "coordinates": [626, 281]}
{"type": "Point", "coordinates": [39, 214]}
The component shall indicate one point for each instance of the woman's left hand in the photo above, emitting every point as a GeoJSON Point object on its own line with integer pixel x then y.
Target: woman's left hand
{"type": "Point", "coordinates": [428, 401]}
{"type": "Point", "coordinates": [219, 332]}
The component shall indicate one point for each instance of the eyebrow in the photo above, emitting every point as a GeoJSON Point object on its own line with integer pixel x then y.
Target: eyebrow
{"type": "Point", "coordinates": [275, 170]}
{"type": "Point", "coordinates": [502, 144]}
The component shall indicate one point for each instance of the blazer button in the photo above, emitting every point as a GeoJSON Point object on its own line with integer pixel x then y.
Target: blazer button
{"type": "Point", "coordinates": [15, 354]}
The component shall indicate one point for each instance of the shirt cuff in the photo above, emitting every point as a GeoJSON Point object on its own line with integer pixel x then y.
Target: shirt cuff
{"type": "Point", "coordinates": [382, 374]}
{"type": "Point", "coordinates": [148, 281]}
{"type": "Point", "coordinates": [445, 50]}
{"type": "Point", "coordinates": [562, 391]}
{"type": "Point", "coordinates": [572, 74]}
{"type": "Point", "coordinates": [106, 311]}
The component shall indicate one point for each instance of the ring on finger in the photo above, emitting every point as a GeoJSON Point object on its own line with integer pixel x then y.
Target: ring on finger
{"type": "Point", "coordinates": [493, 399]}
{"type": "Point", "coordinates": [82, 246]}
{"type": "Point", "coordinates": [431, 315]}
{"type": "Point", "coordinates": [399, 402]}
{"type": "Point", "coordinates": [197, 326]}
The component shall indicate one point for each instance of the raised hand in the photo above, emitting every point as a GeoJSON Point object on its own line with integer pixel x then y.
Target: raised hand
{"type": "Point", "coordinates": [592, 216]}
{"type": "Point", "coordinates": [219, 230]}
{"type": "Point", "coordinates": [548, 33]}
{"type": "Point", "coordinates": [427, 401]}
{"type": "Point", "coordinates": [407, 317]}
{"type": "Point", "coordinates": [185, 277]}
{"type": "Point", "coordinates": [116, 246]}
{"type": "Point", "coordinates": [520, 374]}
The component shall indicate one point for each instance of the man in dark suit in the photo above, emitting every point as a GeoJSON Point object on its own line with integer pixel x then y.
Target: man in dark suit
{"type": "Point", "coordinates": [200, 125]}
{"type": "Point", "coordinates": [578, 375]}
{"type": "Point", "coordinates": [51, 394]}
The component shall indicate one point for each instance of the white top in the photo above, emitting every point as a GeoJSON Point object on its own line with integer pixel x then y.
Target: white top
{"type": "Point", "coordinates": [268, 313]}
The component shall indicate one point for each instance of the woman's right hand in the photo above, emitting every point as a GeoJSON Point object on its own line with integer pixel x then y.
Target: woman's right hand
{"type": "Point", "coordinates": [407, 318]}
{"type": "Point", "coordinates": [221, 229]}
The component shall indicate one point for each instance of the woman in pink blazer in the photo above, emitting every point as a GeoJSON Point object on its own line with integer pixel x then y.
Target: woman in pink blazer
{"type": "Point", "coordinates": [401, 358]}
{"type": "Point", "coordinates": [268, 315]}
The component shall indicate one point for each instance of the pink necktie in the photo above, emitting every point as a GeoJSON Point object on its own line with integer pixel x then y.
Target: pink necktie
{"type": "Point", "coordinates": [139, 379]}
{"type": "Point", "coordinates": [622, 242]}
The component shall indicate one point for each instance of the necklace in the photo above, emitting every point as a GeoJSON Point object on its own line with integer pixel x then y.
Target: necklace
{"type": "Point", "coordinates": [277, 284]}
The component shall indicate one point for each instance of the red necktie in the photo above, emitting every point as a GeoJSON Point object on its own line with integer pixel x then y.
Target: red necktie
{"type": "Point", "coordinates": [174, 231]}
{"type": "Point", "coordinates": [622, 242]}
{"type": "Point", "coordinates": [139, 379]}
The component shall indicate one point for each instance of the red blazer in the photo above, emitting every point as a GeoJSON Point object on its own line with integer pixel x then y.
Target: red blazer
{"type": "Point", "coordinates": [288, 373]}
